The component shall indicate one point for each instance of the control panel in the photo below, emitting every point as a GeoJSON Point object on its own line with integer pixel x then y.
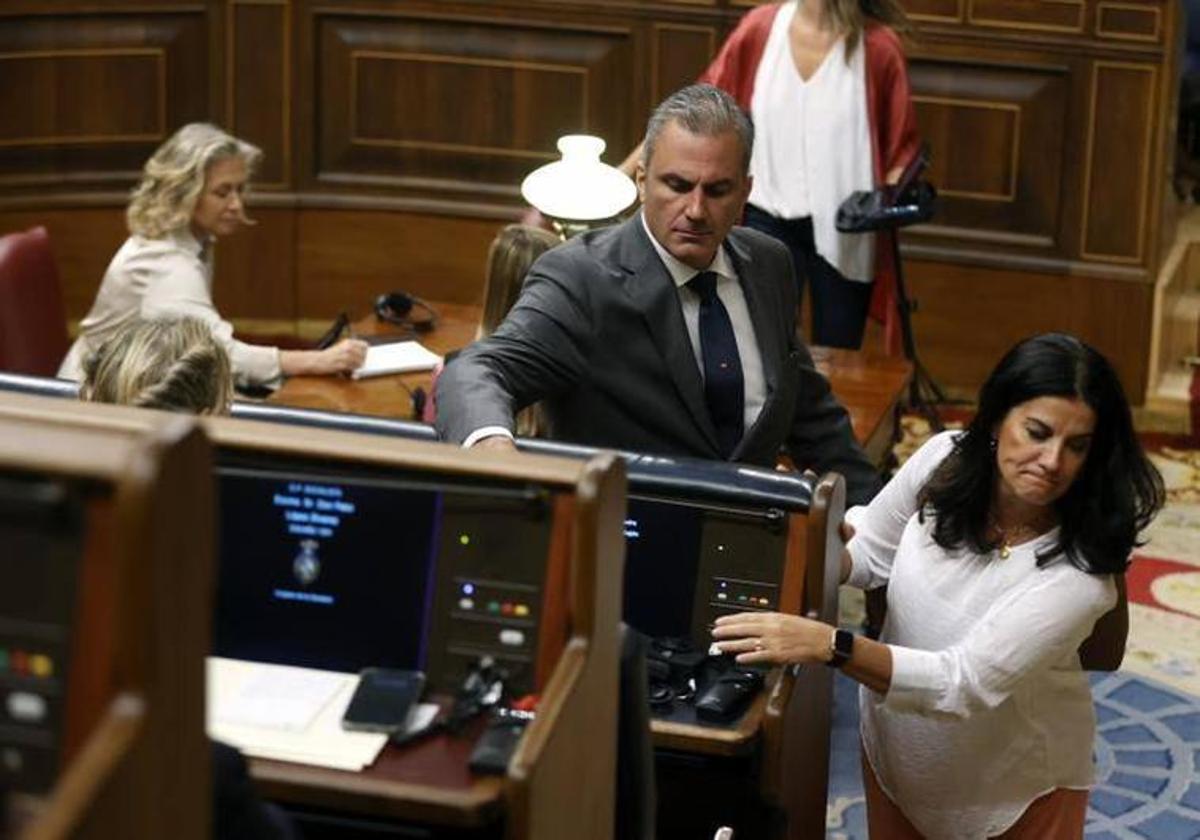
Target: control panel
{"type": "Point", "coordinates": [490, 569]}
{"type": "Point", "coordinates": [686, 564]}
{"type": "Point", "coordinates": [41, 540]}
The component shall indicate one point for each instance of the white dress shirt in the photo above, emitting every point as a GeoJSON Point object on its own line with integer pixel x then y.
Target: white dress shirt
{"type": "Point", "coordinates": [729, 290]}
{"type": "Point", "coordinates": [159, 278]}
{"type": "Point", "coordinates": [812, 143]}
{"type": "Point", "coordinates": [988, 708]}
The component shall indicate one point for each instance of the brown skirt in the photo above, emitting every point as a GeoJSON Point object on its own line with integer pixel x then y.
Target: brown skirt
{"type": "Point", "coordinates": [1059, 814]}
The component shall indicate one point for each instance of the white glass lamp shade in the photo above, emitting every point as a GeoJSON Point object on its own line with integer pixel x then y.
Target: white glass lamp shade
{"type": "Point", "coordinates": [579, 187]}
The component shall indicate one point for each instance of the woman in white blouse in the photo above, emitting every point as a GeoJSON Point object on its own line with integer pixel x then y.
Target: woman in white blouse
{"type": "Point", "coordinates": [190, 194]}
{"type": "Point", "coordinates": [1001, 547]}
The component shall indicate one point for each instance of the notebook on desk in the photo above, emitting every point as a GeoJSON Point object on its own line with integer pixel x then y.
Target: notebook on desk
{"type": "Point", "coordinates": [396, 357]}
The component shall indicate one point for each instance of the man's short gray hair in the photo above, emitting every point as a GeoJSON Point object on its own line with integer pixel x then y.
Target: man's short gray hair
{"type": "Point", "coordinates": [701, 109]}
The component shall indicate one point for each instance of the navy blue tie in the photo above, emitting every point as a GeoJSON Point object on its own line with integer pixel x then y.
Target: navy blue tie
{"type": "Point", "coordinates": [723, 389]}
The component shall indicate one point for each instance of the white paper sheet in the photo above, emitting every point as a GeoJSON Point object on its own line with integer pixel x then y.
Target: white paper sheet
{"type": "Point", "coordinates": [397, 357]}
{"type": "Point", "coordinates": [322, 742]}
{"type": "Point", "coordinates": [279, 698]}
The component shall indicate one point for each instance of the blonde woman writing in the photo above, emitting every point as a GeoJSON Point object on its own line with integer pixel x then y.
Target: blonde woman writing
{"type": "Point", "coordinates": [190, 194]}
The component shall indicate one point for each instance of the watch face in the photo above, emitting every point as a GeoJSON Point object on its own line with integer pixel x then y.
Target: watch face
{"type": "Point", "coordinates": [843, 646]}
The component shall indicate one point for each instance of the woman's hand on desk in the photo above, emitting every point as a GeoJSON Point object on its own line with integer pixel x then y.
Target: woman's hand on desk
{"type": "Point", "coordinates": [781, 639]}
{"type": "Point", "coordinates": [771, 637]}
{"type": "Point", "coordinates": [344, 357]}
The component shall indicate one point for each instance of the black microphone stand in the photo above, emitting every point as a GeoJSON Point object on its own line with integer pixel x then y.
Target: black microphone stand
{"type": "Point", "coordinates": [924, 394]}
{"type": "Point", "coordinates": [891, 208]}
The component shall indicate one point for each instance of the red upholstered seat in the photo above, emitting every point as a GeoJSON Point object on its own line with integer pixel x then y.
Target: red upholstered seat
{"type": "Point", "coordinates": [33, 322]}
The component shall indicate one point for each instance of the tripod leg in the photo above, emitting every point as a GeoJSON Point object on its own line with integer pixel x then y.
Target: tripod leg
{"type": "Point", "coordinates": [920, 377]}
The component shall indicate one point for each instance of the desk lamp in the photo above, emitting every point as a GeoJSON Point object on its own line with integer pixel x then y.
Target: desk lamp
{"type": "Point", "coordinates": [579, 191]}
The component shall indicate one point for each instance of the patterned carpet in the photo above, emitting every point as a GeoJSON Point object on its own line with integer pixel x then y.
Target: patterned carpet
{"type": "Point", "coordinates": [1147, 747]}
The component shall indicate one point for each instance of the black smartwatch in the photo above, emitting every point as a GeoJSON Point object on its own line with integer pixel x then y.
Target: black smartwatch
{"type": "Point", "coordinates": [841, 645]}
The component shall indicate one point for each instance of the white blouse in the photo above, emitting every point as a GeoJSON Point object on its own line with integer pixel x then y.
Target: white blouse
{"type": "Point", "coordinates": [157, 278]}
{"type": "Point", "coordinates": [812, 143]}
{"type": "Point", "coordinates": [988, 708]}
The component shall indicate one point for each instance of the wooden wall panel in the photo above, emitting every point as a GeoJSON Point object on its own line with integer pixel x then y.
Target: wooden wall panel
{"type": "Point", "coordinates": [1118, 158]}
{"type": "Point", "coordinates": [1065, 16]}
{"type": "Point", "coordinates": [1129, 22]}
{"type": "Point", "coordinates": [254, 270]}
{"type": "Point", "coordinates": [259, 84]}
{"type": "Point", "coordinates": [936, 11]}
{"type": "Point", "coordinates": [81, 80]}
{"type": "Point", "coordinates": [969, 316]}
{"type": "Point", "coordinates": [462, 106]}
{"type": "Point", "coordinates": [90, 95]}
{"type": "Point", "coordinates": [346, 258]}
{"type": "Point", "coordinates": [680, 52]}
{"type": "Point", "coordinates": [998, 135]}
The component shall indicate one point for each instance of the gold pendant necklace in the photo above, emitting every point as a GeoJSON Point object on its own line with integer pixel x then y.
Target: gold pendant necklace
{"type": "Point", "coordinates": [1009, 537]}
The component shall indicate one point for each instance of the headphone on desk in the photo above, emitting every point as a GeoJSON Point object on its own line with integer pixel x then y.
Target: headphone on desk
{"type": "Point", "coordinates": [397, 308]}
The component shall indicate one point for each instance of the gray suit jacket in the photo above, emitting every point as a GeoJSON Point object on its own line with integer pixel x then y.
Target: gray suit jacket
{"type": "Point", "coordinates": [598, 336]}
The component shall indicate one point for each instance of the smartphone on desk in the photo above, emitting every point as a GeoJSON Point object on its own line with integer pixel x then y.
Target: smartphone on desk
{"type": "Point", "coordinates": [384, 700]}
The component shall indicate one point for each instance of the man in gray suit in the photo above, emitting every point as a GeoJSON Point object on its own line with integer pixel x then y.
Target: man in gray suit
{"type": "Point", "coordinates": [672, 333]}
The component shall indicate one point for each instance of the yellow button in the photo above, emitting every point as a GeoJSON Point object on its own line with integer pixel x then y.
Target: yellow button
{"type": "Point", "coordinates": [521, 609]}
{"type": "Point", "coordinates": [41, 665]}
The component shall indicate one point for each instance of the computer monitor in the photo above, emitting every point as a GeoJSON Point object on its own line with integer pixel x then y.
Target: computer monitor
{"type": "Point", "coordinates": [687, 562]}
{"type": "Point", "coordinates": [322, 571]}
{"type": "Point", "coordinates": [342, 566]}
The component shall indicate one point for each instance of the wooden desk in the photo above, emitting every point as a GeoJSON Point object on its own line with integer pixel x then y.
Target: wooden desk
{"type": "Point", "coordinates": [869, 384]}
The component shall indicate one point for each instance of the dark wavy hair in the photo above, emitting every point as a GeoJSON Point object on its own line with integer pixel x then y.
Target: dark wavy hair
{"type": "Point", "coordinates": [1117, 491]}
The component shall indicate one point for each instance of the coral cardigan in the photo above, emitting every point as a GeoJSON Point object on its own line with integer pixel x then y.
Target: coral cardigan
{"type": "Point", "coordinates": [894, 138]}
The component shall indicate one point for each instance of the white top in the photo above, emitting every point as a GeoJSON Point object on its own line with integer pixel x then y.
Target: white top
{"type": "Point", "coordinates": [159, 278]}
{"type": "Point", "coordinates": [988, 708]}
{"type": "Point", "coordinates": [812, 143]}
{"type": "Point", "coordinates": [729, 290]}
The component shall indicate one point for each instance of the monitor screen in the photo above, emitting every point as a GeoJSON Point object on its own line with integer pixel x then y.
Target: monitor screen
{"type": "Point", "coordinates": [323, 571]}
{"type": "Point", "coordinates": [662, 555]}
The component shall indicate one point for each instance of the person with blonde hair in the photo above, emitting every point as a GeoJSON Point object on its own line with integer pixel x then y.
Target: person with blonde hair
{"type": "Point", "coordinates": [191, 193]}
{"type": "Point", "coordinates": [171, 364]}
{"type": "Point", "coordinates": [512, 252]}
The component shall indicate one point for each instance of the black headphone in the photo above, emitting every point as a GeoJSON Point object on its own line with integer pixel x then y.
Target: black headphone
{"type": "Point", "coordinates": [397, 308]}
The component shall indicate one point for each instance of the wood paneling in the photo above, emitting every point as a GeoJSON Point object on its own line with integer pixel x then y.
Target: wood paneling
{"type": "Point", "coordinates": [254, 271]}
{"type": "Point", "coordinates": [937, 11]}
{"type": "Point", "coordinates": [467, 106]}
{"type": "Point", "coordinates": [997, 134]}
{"type": "Point", "coordinates": [680, 53]}
{"type": "Point", "coordinates": [1129, 21]}
{"type": "Point", "coordinates": [967, 317]}
{"type": "Point", "coordinates": [1118, 158]}
{"type": "Point", "coordinates": [259, 84]}
{"type": "Point", "coordinates": [1029, 15]}
{"type": "Point", "coordinates": [346, 258]}
{"type": "Point", "coordinates": [88, 95]}
{"type": "Point", "coordinates": [82, 78]}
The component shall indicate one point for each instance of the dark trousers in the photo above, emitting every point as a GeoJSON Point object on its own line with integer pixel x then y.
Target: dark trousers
{"type": "Point", "coordinates": [839, 306]}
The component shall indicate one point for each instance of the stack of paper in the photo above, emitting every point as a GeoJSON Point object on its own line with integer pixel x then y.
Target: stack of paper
{"type": "Point", "coordinates": [287, 714]}
{"type": "Point", "coordinates": [397, 357]}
